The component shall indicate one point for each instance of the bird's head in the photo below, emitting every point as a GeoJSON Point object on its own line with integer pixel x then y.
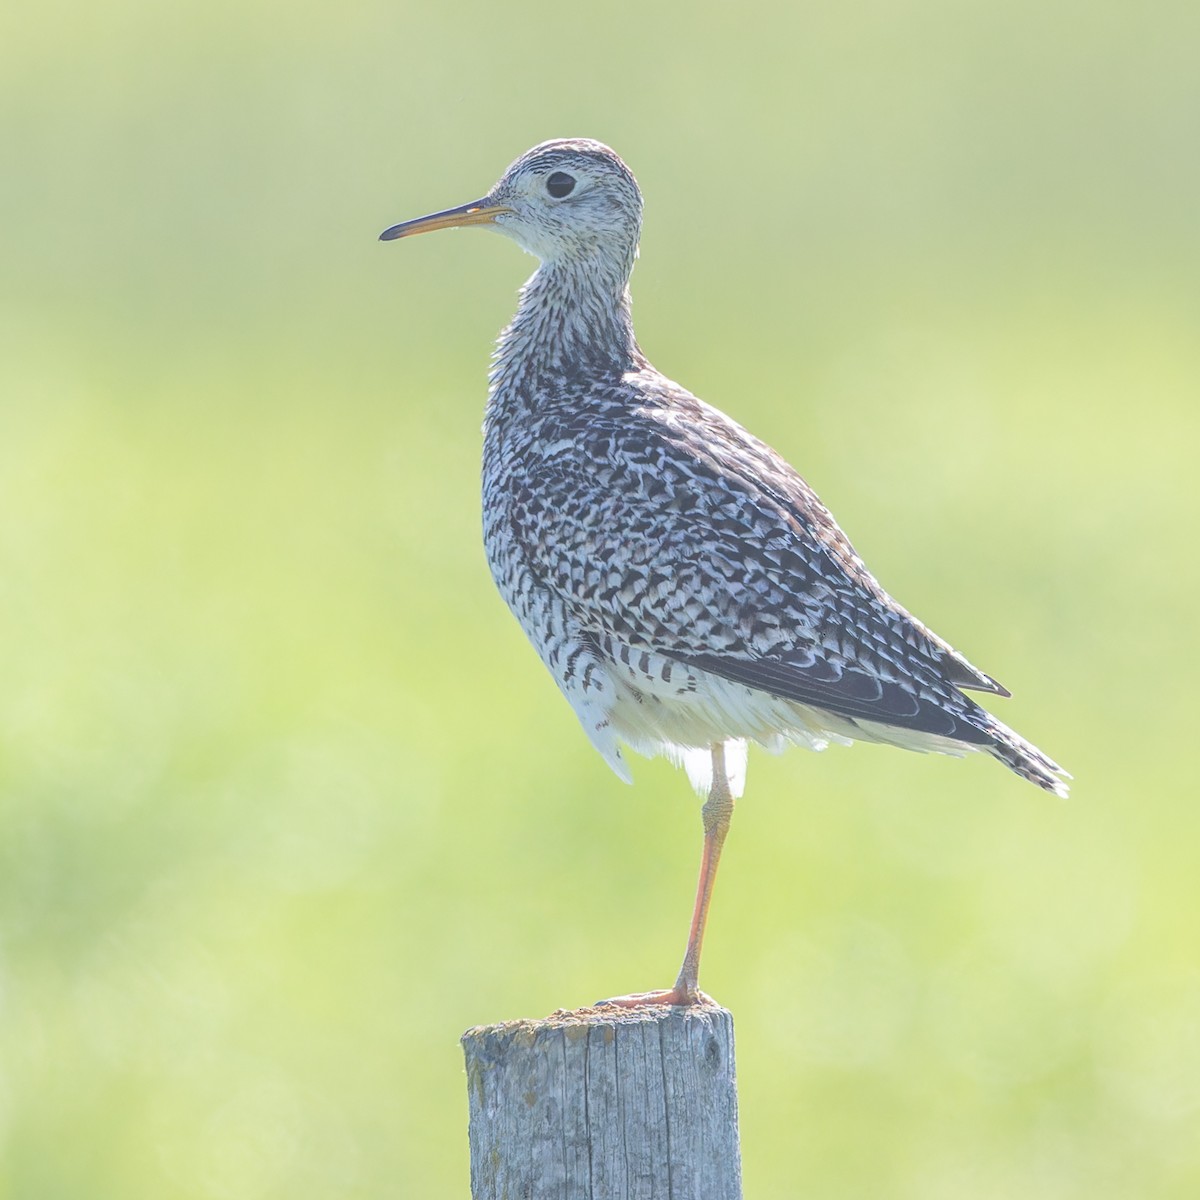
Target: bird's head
{"type": "Point", "coordinates": [568, 200]}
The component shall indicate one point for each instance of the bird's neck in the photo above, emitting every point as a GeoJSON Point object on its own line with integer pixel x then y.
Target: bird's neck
{"type": "Point", "coordinates": [573, 322]}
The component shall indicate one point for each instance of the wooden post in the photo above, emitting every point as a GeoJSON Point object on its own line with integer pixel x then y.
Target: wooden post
{"type": "Point", "coordinates": [605, 1104]}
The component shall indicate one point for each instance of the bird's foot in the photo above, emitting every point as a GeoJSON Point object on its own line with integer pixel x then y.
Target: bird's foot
{"type": "Point", "coordinates": [676, 996]}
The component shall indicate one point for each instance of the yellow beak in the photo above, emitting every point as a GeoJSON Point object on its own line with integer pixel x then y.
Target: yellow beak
{"type": "Point", "coordinates": [479, 213]}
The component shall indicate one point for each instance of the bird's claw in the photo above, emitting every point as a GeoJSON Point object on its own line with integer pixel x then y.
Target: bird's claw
{"type": "Point", "coordinates": [675, 997]}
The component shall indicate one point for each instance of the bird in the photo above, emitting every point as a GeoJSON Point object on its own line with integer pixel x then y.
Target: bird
{"type": "Point", "coordinates": [682, 583]}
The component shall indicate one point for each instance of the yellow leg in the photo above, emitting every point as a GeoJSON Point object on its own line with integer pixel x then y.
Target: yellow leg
{"type": "Point", "coordinates": [717, 813]}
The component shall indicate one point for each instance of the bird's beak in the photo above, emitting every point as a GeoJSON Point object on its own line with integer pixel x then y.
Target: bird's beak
{"type": "Point", "coordinates": [481, 212]}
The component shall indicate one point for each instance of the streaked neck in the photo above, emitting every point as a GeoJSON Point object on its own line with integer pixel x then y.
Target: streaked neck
{"type": "Point", "coordinates": [573, 321]}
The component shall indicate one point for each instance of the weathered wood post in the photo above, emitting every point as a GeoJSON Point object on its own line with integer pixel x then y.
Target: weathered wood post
{"type": "Point", "coordinates": [605, 1104]}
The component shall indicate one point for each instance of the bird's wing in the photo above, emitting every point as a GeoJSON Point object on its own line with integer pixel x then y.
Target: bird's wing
{"type": "Point", "coordinates": [680, 533]}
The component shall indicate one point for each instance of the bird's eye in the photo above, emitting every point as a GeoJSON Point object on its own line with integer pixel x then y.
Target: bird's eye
{"type": "Point", "coordinates": [560, 184]}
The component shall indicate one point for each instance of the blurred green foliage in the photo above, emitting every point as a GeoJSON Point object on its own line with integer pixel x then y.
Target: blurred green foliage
{"type": "Point", "coordinates": [285, 800]}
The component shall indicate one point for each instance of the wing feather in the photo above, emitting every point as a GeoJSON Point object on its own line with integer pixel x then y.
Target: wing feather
{"type": "Point", "coordinates": [676, 531]}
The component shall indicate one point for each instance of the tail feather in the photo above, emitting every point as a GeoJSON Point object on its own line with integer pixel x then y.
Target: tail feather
{"type": "Point", "coordinates": [1026, 759]}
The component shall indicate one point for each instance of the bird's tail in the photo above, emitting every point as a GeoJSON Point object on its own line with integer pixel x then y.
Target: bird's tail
{"type": "Point", "coordinates": [1026, 759]}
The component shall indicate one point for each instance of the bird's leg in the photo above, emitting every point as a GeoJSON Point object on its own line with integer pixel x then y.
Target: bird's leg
{"type": "Point", "coordinates": [717, 813]}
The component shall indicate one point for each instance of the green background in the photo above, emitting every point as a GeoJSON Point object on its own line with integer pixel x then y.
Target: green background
{"type": "Point", "coordinates": [287, 802]}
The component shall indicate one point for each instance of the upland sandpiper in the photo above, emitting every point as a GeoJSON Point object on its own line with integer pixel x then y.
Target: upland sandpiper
{"type": "Point", "coordinates": [682, 583]}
